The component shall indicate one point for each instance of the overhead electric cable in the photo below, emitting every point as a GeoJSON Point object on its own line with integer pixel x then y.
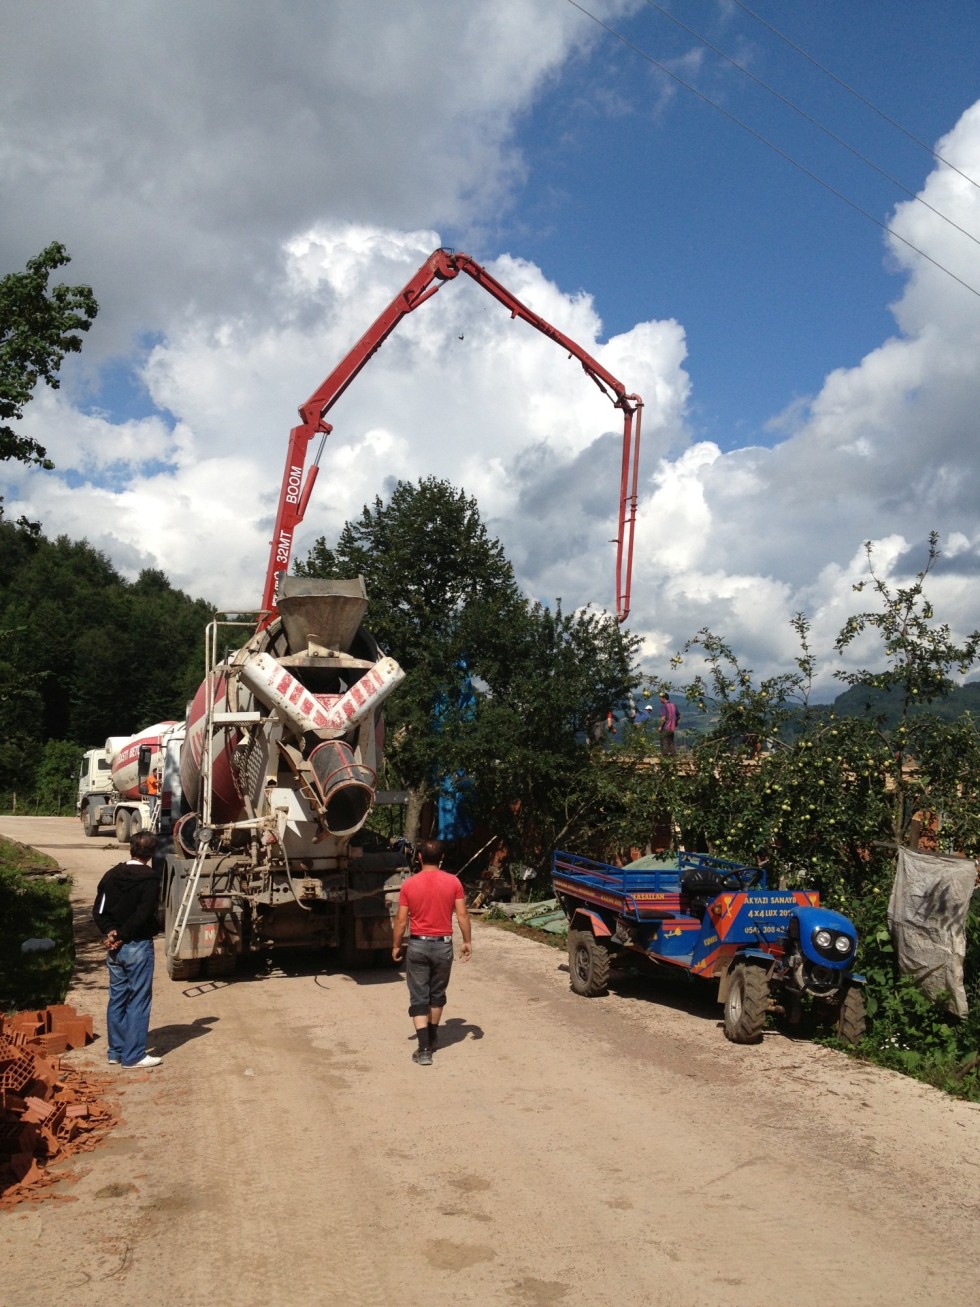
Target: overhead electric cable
{"type": "Point", "coordinates": [772, 146]}
{"type": "Point", "coordinates": [857, 94]}
{"type": "Point", "coordinates": [652, 4]}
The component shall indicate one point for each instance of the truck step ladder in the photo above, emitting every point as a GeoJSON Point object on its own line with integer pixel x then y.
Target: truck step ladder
{"type": "Point", "coordinates": [212, 719]}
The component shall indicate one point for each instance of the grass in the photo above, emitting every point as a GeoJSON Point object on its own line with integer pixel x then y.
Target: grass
{"type": "Point", "coordinates": [33, 905]}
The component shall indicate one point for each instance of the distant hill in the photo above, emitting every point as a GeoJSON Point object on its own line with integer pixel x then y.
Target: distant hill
{"type": "Point", "coordinates": [853, 702]}
{"type": "Point", "coordinates": [856, 701]}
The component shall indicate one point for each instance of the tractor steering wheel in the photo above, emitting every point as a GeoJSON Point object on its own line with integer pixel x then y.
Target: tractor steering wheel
{"type": "Point", "coordinates": [737, 880]}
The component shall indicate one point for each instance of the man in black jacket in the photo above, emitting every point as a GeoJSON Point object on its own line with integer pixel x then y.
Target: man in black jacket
{"type": "Point", "coordinates": [125, 912]}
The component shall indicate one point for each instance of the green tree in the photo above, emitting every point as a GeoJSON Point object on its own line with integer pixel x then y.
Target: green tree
{"type": "Point", "coordinates": [828, 802]}
{"type": "Point", "coordinates": [55, 781]}
{"type": "Point", "coordinates": [498, 688]}
{"type": "Point", "coordinates": [39, 325]}
{"type": "Point", "coordinates": [919, 655]}
{"type": "Point", "coordinates": [434, 577]}
{"type": "Point", "coordinates": [532, 748]}
{"type": "Point", "coordinates": [84, 653]}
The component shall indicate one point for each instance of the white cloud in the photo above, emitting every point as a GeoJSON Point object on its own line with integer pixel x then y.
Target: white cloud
{"type": "Point", "coordinates": [887, 452]}
{"type": "Point", "coordinates": [174, 148]}
{"type": "Point", "coordinates": [246, 195]}
{"type": "Point", "coordinates": [460, 391]}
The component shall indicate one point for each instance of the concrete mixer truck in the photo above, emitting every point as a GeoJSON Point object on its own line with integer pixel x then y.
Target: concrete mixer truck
{"type": "Point", "coordinates": [118, 783]}
{"type": "Point", "coordinates": [267, 796]}
{"type": "Point", "coordinates": [268, 785]}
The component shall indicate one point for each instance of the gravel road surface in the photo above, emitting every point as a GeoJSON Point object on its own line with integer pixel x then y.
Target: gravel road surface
{"type": "Point", "coordinates": [561, 1152]}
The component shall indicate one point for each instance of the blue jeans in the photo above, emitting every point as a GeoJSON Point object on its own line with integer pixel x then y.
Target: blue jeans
{"type": "Point", "coordinates": [130, 991]}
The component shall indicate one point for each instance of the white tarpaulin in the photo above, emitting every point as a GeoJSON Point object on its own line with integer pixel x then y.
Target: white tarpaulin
{"type": "Point", "coordinates": [927, 918]}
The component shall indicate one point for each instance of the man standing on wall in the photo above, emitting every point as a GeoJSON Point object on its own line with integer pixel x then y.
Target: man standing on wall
{"type": "Point", "coordinates": [429, 899]}
{"type": "Point", "coordinates": [669, 721]}
{"type": "Point", "coordinates": [125, 913]}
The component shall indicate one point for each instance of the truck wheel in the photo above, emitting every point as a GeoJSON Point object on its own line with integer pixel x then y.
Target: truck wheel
{"type": "Point", "coordinates": [221, 964]}
{"type": "Point", "coordinates": [89, 825]}
{"type": "Point", "coordinates": [135, 823]}
{"type": "Point", "coordinates": [122, 827]}
{"type": "Point", "coordinates": [852, 1021]}
{"type": "Point", "coordinates": [588, 964]}
{"type": "Point", "coordinates": [746, 1004]}
{"type": "Point", "coordinates": [183, 968]}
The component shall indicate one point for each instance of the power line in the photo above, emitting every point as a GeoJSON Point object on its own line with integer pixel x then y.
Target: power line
{"type": "Point", "coordinates": [857, 94]}
{"type": "Point", "coordinates": [772, 146]}
{"type": "Point", "coordinates": [813, 121]}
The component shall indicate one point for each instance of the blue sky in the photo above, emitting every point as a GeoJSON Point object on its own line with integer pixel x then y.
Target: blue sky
{"type": "Point", "coordinates": [810, 382]}
{"type": "Point", "coordinates": [671, 209]}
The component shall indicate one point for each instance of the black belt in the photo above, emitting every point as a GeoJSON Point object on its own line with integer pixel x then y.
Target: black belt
{"type": "Point", "coordinates": [440, 939]}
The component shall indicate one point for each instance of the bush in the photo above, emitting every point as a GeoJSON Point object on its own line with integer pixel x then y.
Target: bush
{"type": "Point", "coordinates": [33, 907]}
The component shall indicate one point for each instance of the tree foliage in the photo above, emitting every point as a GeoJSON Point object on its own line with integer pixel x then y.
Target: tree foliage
{"type": "Point", "coordinates": [826, 805]}
{"type": "Point", "coordinates": [503, 690]}
{"type": "Point", "coordinates": [85, 654]}
{"type": "Point", "coordinates": [39, 325]}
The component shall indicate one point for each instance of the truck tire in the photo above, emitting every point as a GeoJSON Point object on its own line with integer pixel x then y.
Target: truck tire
{"type": "Point", "coordinates": [852, 1022]}
{"type": "Point", "coordinates": [89, 824]}
{"type": "Point", "coordinates": [183, 968]}
{"type": "Point", "coordinates": [135, 823]}
{"type": "Point", "coordinates": [122, 827]}
{"type": "Point", "coordinates": [221, 964]}
{"type": "Point", "coordinates": [588, 964]}
{"type": "Point", "coordinates": [746, 1003]}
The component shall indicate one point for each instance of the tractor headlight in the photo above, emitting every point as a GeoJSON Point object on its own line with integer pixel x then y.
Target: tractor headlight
{"type": "Point", "coordinates": [833, 945]}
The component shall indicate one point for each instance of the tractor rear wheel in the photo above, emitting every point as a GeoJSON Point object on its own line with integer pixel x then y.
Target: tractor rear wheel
{"type": "Point", "coordinates": [588, 964]}
{"type": "Point", "coordinates": [852, 1021]}
{"type": "Point", "coordinates": [746, 1004]}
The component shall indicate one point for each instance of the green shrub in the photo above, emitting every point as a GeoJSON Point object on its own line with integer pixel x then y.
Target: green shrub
{"type": "Point", "coordinates": [32, 907]}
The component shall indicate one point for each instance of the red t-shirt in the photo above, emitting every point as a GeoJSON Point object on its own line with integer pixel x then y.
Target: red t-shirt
{"type": "Point", "coordinates": [429, 896]}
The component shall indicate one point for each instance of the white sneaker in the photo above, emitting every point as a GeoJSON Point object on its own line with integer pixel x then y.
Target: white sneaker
{"type": "Point", "coordinates": [144, 1062]}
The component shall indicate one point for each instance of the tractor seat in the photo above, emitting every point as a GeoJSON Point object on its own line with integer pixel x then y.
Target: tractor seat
{"type": "Point", "coordinates": [700, 885]}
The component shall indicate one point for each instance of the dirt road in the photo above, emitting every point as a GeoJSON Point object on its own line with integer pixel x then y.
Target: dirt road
{"type": "Point", "coordinates": [561, 1152]}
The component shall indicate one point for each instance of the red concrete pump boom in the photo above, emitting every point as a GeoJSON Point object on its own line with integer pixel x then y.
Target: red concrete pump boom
{"type": "Point", "coordinates": [442, 265]}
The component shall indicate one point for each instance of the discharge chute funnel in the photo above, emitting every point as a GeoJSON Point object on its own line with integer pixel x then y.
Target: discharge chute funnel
{"type": "Point", "coordinates": [346, 787]}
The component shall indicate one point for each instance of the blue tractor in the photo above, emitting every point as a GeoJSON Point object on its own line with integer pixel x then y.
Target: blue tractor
{"type": "Point", "coordinates": [713, 920]}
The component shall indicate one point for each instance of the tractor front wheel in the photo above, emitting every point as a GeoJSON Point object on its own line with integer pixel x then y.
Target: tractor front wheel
{"type": "Point", "coordinates": [852, 1021]}
{"type": "Point", "coordinates": [588, 964]}
{"type": "Point", "coordinates": [746, 1004]}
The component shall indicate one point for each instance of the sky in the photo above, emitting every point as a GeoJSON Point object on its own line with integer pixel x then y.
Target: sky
{"type": "Point", "coordinates": [781, 267]}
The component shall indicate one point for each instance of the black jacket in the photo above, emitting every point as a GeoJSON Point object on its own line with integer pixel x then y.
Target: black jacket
{"type": "Point", "coordinates": [126, 901]}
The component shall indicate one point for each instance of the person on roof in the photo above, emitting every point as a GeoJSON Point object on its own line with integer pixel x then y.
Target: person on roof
{"type": "Point", "coordinates": [669, 722]}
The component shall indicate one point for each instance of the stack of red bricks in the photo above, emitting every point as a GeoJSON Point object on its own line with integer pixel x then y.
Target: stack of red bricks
{"type": "Point", "coordinates": [46, 1110]}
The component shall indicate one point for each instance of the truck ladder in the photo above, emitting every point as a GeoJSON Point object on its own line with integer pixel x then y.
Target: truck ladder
{"type": "Point", "coordinates": [212, 719]}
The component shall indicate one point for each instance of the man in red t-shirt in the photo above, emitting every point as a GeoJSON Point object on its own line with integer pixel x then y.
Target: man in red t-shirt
{"type": "Point", "coordinates": [429, 898]}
